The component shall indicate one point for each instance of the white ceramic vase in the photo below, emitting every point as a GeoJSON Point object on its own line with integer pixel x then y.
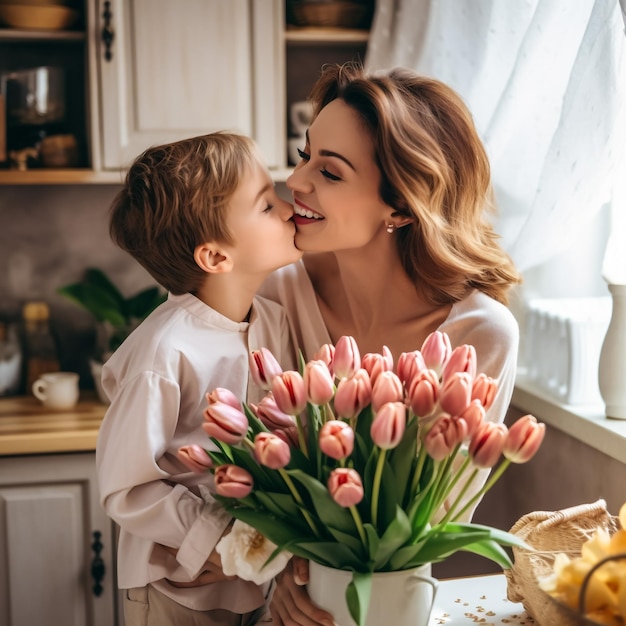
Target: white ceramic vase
{"type": "Point", "coordinates": [612, 368]}
{"type": "Point", "coordinates": [402, 598]}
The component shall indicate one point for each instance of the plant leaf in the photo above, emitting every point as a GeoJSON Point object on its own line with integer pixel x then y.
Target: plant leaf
{"type": "Point", "coordinates": [358, 596]}
{"type": "Point", "coordinates": [491, 550]}
{"type": "Point", "coordinates": [395, 535]}
{"type": "Point", "coordinates": [328, 511]}
{"type": "Point", "coordinates": [329, 553]}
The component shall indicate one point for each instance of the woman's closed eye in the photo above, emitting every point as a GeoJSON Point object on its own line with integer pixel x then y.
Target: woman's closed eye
{"type": "Point", "coordinates": [307, 157]}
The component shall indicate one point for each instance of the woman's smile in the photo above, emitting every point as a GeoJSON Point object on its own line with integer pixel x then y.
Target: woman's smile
{"type": "Point", "coordinates": [304, 215]}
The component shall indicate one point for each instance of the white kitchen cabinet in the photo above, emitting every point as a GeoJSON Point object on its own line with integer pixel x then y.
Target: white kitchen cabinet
{"type": "Point", "coordinates": [178, 69]}
{"type": "Point", "coordinates": [56, 543]}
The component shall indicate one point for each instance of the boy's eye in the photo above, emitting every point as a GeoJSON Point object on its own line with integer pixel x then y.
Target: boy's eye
{"type": "Point", "coordinates": [328, 175]}
{"type": "Point", "coordinates": [268, 208]}
{"type": "Point", "coordinates": [303, 155]}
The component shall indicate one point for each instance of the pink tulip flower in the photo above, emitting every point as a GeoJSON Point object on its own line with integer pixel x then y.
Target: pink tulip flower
{"type": "Point", "coordinates": [436, 351]}
{"type": "Point", "coordinates": [524, 438]}
{"type": "Point", "coordinates": [424, 392]}
{"type": "Point", "coordinates": [225, 423]}
{"type": "Point", "coordinates": [462, 359]}
{"type": "Point", "coordinates": [195, 458]}
{"type": "Point", "coordinates": [271, 416]}
{"type": "Point", "coordinates": [345, 487]}
{"type": "Point", "coordinates": [456, 393]}
{"type": "Point", "coordinates": [271, 450]}
{"type": "Point", "coordinates": [232, 481]}
{"type": "Point", "coordinates": [375, 363]}
{"type": "Point", "coordinates": [289, 392]}
{"type": "Point", "coordinates": [318, 382]}
{"type": "Point", "coordinates": [336, 439]}
{"type": "Point", "coordinates": [353, 394]}
{"type": "Point", "coordinates": [474, 416]}
{"type": "Point", "coordinates": [288, 435]}
{"type": "Point", "coordinates": [387, 388]}
{"type": "Point", "coordinates": [224, 396]}
{"type": "Point", "coordinates": [410, 364]}
{"type": "Point", "coordinates": [389, 425]}
{"type": "Point", "coordinates": [347, 359]}
{"type": "Point", "coordinates": [484, 389]}
{"type": "Point", "coordinates": [326, 353]}
{"type": "Point", "coordinates": [444, 435]}
{"type": "Point", "coordinates": [487, 443]}
{"type": "Point", "coordinates": [263, 367]}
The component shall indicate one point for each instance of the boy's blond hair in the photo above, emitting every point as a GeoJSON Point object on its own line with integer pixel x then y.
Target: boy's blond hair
{"type": "Point", "coordinates": [174, 199]}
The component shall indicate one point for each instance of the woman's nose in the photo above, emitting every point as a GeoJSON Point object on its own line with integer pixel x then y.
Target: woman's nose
{"type": "Point", "coordinates": [298, 180]}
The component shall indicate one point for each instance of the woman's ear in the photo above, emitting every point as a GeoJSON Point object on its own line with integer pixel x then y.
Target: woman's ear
{"type": "Point", "coordinates": [399, 220]}
{"type": "Point", "coordinates": [212, 258]}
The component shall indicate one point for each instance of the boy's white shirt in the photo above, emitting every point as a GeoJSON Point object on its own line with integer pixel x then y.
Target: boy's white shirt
{"type": "Point", "coordinates": [157, 382]}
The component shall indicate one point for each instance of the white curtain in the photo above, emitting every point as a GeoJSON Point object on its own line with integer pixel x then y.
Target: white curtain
{"type": "Point", "coordinates": [545, 81]}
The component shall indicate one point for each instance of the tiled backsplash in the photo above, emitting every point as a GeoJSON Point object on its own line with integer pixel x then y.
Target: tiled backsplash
{"type": "Point", "coordinates": [48, 236]}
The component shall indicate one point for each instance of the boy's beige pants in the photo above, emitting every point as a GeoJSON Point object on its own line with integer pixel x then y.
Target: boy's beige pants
{"type": "Point", "coordinates": [145, 606]}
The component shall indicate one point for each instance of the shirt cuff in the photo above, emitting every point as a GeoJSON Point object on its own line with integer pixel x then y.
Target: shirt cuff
{"type": "Point", "coordinates": [203, 536]}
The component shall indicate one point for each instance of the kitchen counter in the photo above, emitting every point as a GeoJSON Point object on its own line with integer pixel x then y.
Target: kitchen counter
{"type": "Point", "coordinates": [27, 427]}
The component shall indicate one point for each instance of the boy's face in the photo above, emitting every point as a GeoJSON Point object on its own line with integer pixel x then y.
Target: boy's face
{"type": "Point", "coordinates": [261, 224]}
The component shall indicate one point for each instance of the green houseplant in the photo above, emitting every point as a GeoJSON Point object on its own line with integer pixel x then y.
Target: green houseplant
{"type": "Point", "coordinates": [116, 315]}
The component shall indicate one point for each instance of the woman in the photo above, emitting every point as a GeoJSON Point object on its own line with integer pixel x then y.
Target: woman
{"type": "Point", "coordinates": [390, 198]}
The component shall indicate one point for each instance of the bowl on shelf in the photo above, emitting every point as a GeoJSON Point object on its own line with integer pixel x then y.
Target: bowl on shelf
{"type": "Point", "coordinates": [36, 16]}
{"type": "Point", "coordinates": [329, 13]}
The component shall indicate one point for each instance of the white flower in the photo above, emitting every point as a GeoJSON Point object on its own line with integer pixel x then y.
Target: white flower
{"type": "Point", "coordinates": [244, 551]}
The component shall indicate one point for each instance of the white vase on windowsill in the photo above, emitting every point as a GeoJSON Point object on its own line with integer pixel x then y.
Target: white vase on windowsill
{"type": "Point", "coordinates": [612, 369]}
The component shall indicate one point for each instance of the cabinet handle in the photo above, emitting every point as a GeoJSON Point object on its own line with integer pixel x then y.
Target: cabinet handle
{"type": "Point", "coordinates": [97, 564]}
{"type": "Point", "coordinates": [108, 34]}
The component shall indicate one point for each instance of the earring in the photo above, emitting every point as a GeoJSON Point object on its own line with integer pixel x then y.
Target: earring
{"type": "Point", "coordinates": [390, 228]}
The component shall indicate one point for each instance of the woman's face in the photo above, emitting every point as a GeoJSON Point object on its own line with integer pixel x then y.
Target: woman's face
{"type": "Point", "coordinates": [335, 185]}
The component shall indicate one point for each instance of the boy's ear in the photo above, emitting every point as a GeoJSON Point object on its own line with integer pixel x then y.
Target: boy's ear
{"type": "Point", "coordinates": [212, 258]}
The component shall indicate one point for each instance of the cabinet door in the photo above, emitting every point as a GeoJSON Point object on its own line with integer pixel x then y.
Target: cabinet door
{"type": "Point", "coordinates": [179, 69]}
{"type": "Point", "coordinates": [53, 534]}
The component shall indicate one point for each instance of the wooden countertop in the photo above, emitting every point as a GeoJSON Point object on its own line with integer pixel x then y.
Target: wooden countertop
{"type": "Point", "coordinates": [26, 427]}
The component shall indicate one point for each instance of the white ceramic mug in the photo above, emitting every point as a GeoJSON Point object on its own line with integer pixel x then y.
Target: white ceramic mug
{"type": "Point", "coordinates": [57, 390]}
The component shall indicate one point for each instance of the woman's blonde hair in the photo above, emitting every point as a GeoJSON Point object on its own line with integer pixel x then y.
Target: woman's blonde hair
{"type": "Point", "coordinates": [434, 169]}
{"type": "Point", "coordinates": [175, 198]}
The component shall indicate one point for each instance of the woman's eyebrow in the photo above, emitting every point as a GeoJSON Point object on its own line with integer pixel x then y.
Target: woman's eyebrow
{"type": "Point", "coordinates": [330, 153]}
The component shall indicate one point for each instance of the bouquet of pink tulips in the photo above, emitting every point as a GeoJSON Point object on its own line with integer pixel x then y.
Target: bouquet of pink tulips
{"type": "Point", "coordinates": [349, 461]}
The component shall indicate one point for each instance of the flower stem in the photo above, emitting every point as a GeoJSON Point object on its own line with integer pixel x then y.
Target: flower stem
{"type": "Point", "coordinates": [376, 488]}
{"type": "Point", "coordinates": [359, 525]}
{"type": "Point", "coordinates": [421, 458]}
{"type": "Point", "coordinates": [443, 493]}
{"type": "Point", "coordinates": [486, 487]}
{"type": "Point", "coordinates": [298, 499]}
{"type": "Point", "coordinates": [301, 440]}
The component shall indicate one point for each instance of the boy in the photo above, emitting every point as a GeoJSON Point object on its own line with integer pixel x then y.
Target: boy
{"type": "Point", "coordinates": [202, 216]}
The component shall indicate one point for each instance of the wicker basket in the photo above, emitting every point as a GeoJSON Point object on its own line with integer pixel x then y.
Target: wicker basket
{"type": "Point", "coordinates": [329, 14]}
{"type": "Point", "coordinates": [551, 532]}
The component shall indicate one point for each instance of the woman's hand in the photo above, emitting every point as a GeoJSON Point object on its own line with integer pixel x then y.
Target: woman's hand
{"type": "Point", "coordinates": [291, 605]}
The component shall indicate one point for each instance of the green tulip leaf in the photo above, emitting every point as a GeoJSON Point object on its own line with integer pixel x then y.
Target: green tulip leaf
{"type": "Point", "coordinates": [329, 553]}
{"type": "Point", "coordinates": [396, 534]}
{"type": "Point", "coordinates": [491, 550]}
{"type": "Point", "coordinates": [328, 511]}
{"type": "Point", "coordinates": [358, 596]}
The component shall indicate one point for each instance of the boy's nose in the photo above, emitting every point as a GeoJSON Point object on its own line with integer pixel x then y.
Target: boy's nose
{"type": "Point", "coordinates": [286, 210]}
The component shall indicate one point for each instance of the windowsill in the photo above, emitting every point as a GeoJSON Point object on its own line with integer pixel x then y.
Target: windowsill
{"type": "Point", "coordinates": [588, 424]}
